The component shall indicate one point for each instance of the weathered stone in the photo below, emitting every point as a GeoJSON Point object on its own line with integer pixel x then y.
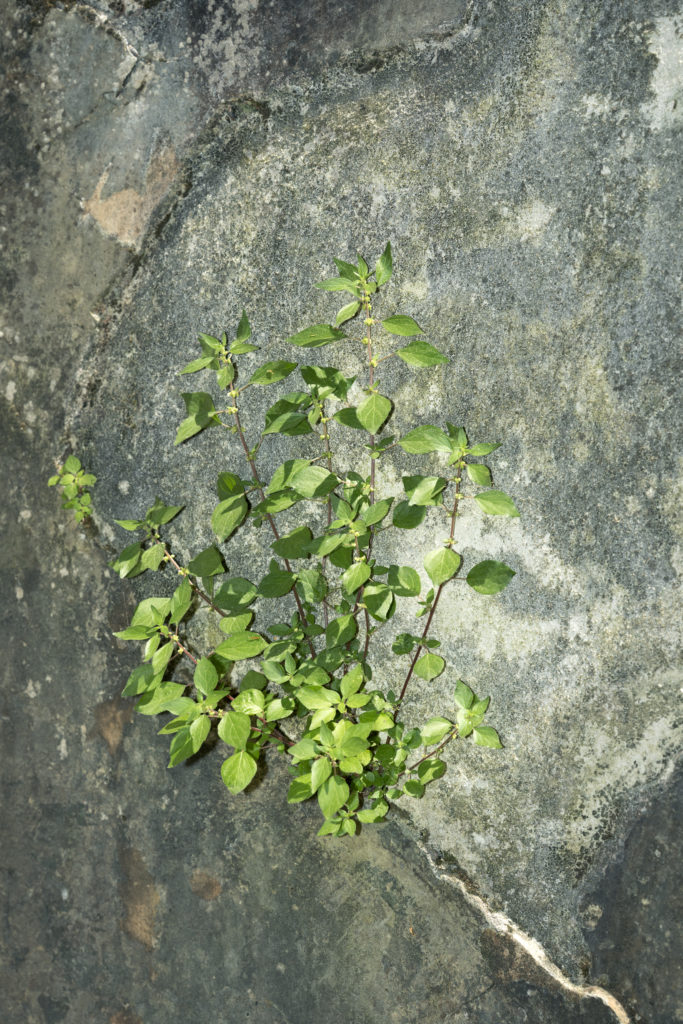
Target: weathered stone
{"type": "Point", "coordinates": [521, 160]}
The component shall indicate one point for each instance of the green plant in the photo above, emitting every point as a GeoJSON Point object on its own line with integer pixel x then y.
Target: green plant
{"type": "Point", "coordinates": [74, 481]}
{"type": "Point", "coordinates": [301, 679]}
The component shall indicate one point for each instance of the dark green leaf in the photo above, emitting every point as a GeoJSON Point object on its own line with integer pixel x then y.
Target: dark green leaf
{"type": "Point", "coordinates": [489, 577]}
{"type": "Point", "coordinates": [182, 747]}
{"type": "Point", "coordinates": [181, 601]}
{"type": "Point", "coordinates": [277, 583]}
{"type": "Point", "coordinates": [127, 562]}
{"type": "Point", "coordinates": [407, 516]}
{"type": "Point", "coordinates": [375, 513]}
{"type": "Point", "coordinates": [300, 789]}
{"type": "Point", "coordinates": [349, 418]}
{"type": "Point", "coordinates": [244, 328]}
{"type": "Point", "coordinates": [228, 485]}
{"type": "Point", "coordinates": [403, 325]}
{"type": "Point", "coordinates": [341, 630]}
{"type": "Point", "coordinates": [424, 490]}
{"type": "Point", "coordinates": [201, 413]}
{"type": "Point", "coordinates": [159, 513]}
{"type": "Point", "coordinates": [328, 380]}
{"type": "Point", "coordinates": [208, 562]}
{"type": "Point", "coordinates": [431, 769]}
{"type": "Point", "coordinates": [272, 372]}
{"type": "Point", "coordinates": [235, 594]}
{"type": "Point", "coordinates": [313, 482]}
{"type": "Point", "coordinates": [379, 600]}
{"type": "Point", "coordinates": [293, 545]}
{"type": "Point", "coordinates": [404, 581]}
{"type": "Point", "coordinates": [238, 771]}
{"type": "Point", "coordinates": [414, 788]}
{"type": "Point", "coordinates": [384, 266]}
{"type": "Point", "coordinates": [228, 515]}
{"type": "Point", "coordinates": [313, 337]}
{"type": "Point", "coordinates": [283, 475]}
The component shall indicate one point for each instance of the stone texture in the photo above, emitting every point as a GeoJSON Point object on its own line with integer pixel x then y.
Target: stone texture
{"type": "Point", "coordinates": [165, 165]}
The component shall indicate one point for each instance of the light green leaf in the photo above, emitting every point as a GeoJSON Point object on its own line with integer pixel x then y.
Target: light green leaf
{"type": "Point", "coordinates": [424, 490]}
{"type": "Point", "coordinates": [197, 364]}
{"type": "Point", "coordinates": [478, 474]}
{"type": "Point", "coordinates": [347, 312]}
{"type": "Point", "coordinates": [328, 380]}
{"type": "Point", "coordinates": [485, 736]}
{"type": "Point", "coordinates": [159, 513]}
{"type": "Point", "coordinates": [431, 769]}
{"type": "Point", "coordinates": [283, 475]}
{"type": "Point", "coordinates": [300, 789]}
{"type": "Point", "coordinates": [376, 813]}
{"type": "Point", "coordinates": [463, 696]}
{"type": "Point", "coordinates": [314, 697]}
{"type": "Point", "coordinates": [425, 439]}
{"type": "Point", "coordinates": [483, 449]}
{"type": "Point", "coordinates": [228, 515]}
{"type": "Point", "coordinates": [375, 513]}
{"type": "Point", "coordinates": [435, 730]}
{"type": "Point", "coordinates": [238, 771]}
{"type": "Point", "coordinates": [235, 623]}
{"type": "Point", "coordinates": [234, 729]}
{"type": "Point", "coordinates": [127, 562]}
{"type": "Point", "coordinates": [205, 676]}
{"type": "Point", "coordinates": [384, 266]}
{"type": "Point", "coordinates": [337, 284]}
{"type": "Point", "coordinates": [321, 769]}
{"type": "Point", "coordinates": [249, 702]}
{"type": "Point", "coordinates": [496, 503]}
{"type": "Point", "coordinates": [489, 577]}
{"type": "Point", "coordinates": [442, 565]}
{"type": "Point", "coordinates": [341, 630]}
{"type": "Point", "coordinates": [181, 601]}
{"type": "Point", "coordinates": [404, 581]}
{"type": "Point", "coordinates": [201, 413]}
{"type": "Point", "coordinates": [373, 412]}
{"type": "Point", "coordinates": [332, 795]}
{"type": "Point", "coordinates": [313, 482]}
{"type": "Point", "coordinates": [352, 681]}
{"type": "Point", "coordinates": [379, 600]}
{"type": "Point", "coordinates": [314, 337]}
{"type": "Point", "coordinates": [153, 557]}
{"type": "Point", "coordinates": [243, 329]}
{"type": "Point", "coordinates": [279, 708]}
{"type": "Point", "coordinates": [272, 372]}
{"type": "Point", "coordinates": [355, 576]}
{"type": "Point", "coordinates": [421, 353]}
{"type": "Point", "coordinates": [429, 666]}
{"type": "Point", "coordinates": [199, 730]}
{"type": "Point", "coordinates": [401, 324]}
{"type": "Point", "coordinates": [182, 747]}
{"type": "Point", "coordinates": [241, 646]}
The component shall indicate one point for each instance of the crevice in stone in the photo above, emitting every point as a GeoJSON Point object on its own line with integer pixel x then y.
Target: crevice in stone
{"type": "Point", "coordinates": [505, 926]}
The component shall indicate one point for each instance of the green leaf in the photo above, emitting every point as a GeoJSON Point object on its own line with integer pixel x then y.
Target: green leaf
{"type": "Point", "coordinates": [414, 788]}
{"type": "Point", "coordinates": [234, 729]}
{"type": "Point", "coordinates": [228, 486]}
{"type": "Point", "coordinates": [312, 585]}
{"type": "Point", "coordinates": [225, 375]}
{"type": "Point", "coordinates": [373, 412]}
{"type": "Point", "coordinates": [201, 413]}
{"type": "Point", "coordinates": [313, 482]}
{"type": "Point", "coordinates": [240, 646]}
{"type": "Point", "coordinates": [442, 565]}
{"type": "Point", "coordinates": [235, 623]}
{"type": "Point", "coordinates": [182, 747]}
{"type": "Point", "coordinates": [407, 516]}
{"type": "Point", "coordinates": [293, 545]}
{"type": "Point", "coordinates": [243, 328]}
{"type": "Point", "coordinates": [159, 513]}
{"type": "Point", "coordinates": [485, 736]}
{"type": "Point", "coordinates": [489, 577]}
{"type": "Point", "coordinates": [429, 666]}
{"type": "Point", "coordinates": [328, 380]}
{"type": "Point", "coordinates": [424, 490]}
{"type": "Point", "coordinates": [332, 795]}
{"type": "Point", "coordinates": [128, 561]}
{"type": "Point", "coordinates": [341, 630]}
{"type": "Point", "coordinates": [349, 418]}
{"type": "Point", "coordinates": [314, 337]}
{"type": "Point", "coordinates": [377, 721]}
{"type": "Point", "coordinates": [384, 266]}
{"type": "Point", "coordinates": [463, 696]}
{"type": "Point", "coordinates": [421, 353]}
{"type": "Point", "coordinates": [199, 730]}
{"type": "Point", "coordinates": [72, 464]}
{"type": "Point", "coordinates": [272, 372]}
{"type": "Point", "coordinates": [277, 583]}
{"type": "Point", "coordinates": [478, 474]}
{"type": "Point", "coordinates": [208, 562]}
{"type": "Point", "coordinates": [238, 771]}
{"type": "Point", "coordinates": [300, 789]}
{"type": "Point", "coordinates": [352, 681]}
{"type": "Point", "coordinates": [205, 676]}
{"type": "Point", "coordinates": [425, 439]}
{"type": "Point", "coordinates": [337, 284]}
{"type": "Point", "coordinates": [181, 601]}
{"type": "Point", "coordinates": [403, 325]}
{"type": "Point", "coordinates": [375, 513]}
{"type": "Point", "coordinates": [153, 557]}
{"type": "Point", "coordinates": [235, 594]}
{"type": "Point", "coordinates": [249, 702]}
{"type": "Point", "coordinates": [347, 270]}
{"type": "Point", "coordinates": [197, 364]}
{"type": "Point", "coordinates": [314, 697]}
{"type": "Point", "coordinates": [228, 515]}
{"type": "Point", "coordinates": [483, 449]}
{"type": "Point", "coordinates": [355, 576]}
{"type": "Point", "coordinates": [128, 524]}
{"type": "Point", "coordinates": [372, 814]}
{"type": "Point", "coordinates": [431, 769]}
{"type": "Point", "coordinates": [404, 581]}
{"type": "Point", "coordinates": [379, 600]}
{"type": "Point", "coordinates": [283, 475]}
{"type": "Point", "coordinates": [209, 344]}
{"type": "Point", "coordinates": [435, 730]}
{"type": "Point", "coordinates": [496, 503]}
{"type": "Point", "coordinates": [141, 679]}
{"type": "Point", "coordinates": [347, 312]}
{"type": "Point", "coordinates": [321, 769]}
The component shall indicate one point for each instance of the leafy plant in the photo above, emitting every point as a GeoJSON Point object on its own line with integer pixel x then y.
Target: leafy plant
{"type": "Point", "coordinates": [74, 481]}
{"type": "Point", "coordinates": [294, 669]}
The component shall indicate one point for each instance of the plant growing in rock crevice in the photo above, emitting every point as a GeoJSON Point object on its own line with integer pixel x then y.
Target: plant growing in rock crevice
{"type": "Point", "coordinates": [295, 670]}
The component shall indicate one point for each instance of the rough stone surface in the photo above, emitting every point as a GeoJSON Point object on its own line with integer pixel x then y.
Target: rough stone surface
{"type": "Point", "coordinates": [165, 165]}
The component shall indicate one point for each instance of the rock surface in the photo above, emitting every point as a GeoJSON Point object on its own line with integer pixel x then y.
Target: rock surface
{"type": "Point", "coordinates": [165, 166]}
